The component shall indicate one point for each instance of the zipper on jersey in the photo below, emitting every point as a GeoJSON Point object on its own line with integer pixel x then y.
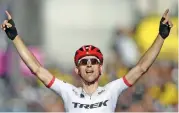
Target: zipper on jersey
{"type": "Point", "coordinates": [87, 94]}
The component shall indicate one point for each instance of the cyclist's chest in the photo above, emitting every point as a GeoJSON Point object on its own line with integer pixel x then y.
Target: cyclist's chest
{"type": "Point", "coordinates": [98, 102]}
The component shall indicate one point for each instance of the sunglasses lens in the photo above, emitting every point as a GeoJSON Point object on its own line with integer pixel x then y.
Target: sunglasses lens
{"type": "Point", "coordinates": [84, 62]}
{"type": "Point", "coordinates": [94, 61]}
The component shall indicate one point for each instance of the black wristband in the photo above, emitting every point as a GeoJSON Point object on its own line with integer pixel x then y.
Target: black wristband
{"type": "Point", "coordinates": [164, 29]}
{"type": "Point", "coordinates": [12, 31]}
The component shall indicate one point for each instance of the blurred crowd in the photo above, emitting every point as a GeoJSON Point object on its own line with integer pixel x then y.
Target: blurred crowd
{"type": "Point", "coordinates": [156, 91]}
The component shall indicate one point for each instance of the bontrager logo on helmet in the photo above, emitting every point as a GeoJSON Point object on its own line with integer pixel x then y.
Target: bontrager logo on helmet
{"type": "Point", "coordinates": [88, 50]}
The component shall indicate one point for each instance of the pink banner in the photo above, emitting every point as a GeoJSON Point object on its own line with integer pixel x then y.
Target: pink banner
{"type": "Point", "coordinates": [2, 62]}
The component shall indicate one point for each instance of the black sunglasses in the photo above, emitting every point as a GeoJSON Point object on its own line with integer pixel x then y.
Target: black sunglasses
{"type": "Point", "coordinates": [93, 61]}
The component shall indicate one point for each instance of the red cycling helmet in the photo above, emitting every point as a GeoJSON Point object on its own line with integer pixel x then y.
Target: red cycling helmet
{"type": "Point", "coordinates": [88, 50]}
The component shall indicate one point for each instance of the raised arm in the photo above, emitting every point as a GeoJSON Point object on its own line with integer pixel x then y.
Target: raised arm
{"type": "Point", "coordinates": [9, 27]}
{"type": "Point", "coordinates": [151, 54]}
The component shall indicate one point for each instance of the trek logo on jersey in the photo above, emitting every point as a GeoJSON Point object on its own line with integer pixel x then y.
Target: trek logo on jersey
{"type": "Point", "coordinates": [90, 106]}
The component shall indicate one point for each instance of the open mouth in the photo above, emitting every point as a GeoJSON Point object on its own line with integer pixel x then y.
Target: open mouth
{"type": "Point", "coordinates": [89, 71]}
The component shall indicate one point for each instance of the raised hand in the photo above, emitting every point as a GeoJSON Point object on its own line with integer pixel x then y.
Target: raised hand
{"type": "Point", "coordinates": [165, 25]}
{"type": "Point", "coordinates": [9, 27]}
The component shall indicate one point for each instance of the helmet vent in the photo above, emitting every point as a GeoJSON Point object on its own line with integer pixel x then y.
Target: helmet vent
{"type": "Point", "coordinates": [98, 51]}
{"type": "Point", "coordinates": [81, 49]}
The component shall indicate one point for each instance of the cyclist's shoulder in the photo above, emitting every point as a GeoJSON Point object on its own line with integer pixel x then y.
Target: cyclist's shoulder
{"type": "Point", "coordinates": [64, 83]}
{"type": "Point", "coordinates": [113, 83]}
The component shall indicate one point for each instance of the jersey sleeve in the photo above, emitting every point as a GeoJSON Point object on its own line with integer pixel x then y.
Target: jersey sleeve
{"type": "Point", "coordinates": [116, 87]}
{"type": "Point", "coordinates": [60, 87]}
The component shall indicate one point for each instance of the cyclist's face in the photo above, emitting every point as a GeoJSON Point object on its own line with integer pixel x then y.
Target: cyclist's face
{"type": "Point", "coordinates": [89, 68]}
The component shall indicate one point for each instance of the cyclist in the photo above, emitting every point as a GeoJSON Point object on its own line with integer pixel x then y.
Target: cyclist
{"type": "Point", "coordinates": [89, 60]}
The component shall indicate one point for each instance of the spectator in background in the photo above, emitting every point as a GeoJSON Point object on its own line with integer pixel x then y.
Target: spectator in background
{"type": "Point", "coordinates": [126, 48]}
{"type": "Point", "coordinates": [126, 53]}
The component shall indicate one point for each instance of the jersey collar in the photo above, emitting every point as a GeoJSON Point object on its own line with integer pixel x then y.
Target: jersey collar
{"type": "Point", "coordinates": [98, 91]}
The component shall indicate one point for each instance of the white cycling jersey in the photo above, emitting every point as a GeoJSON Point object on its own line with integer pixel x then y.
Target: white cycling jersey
{"type": "Point", "coordinates": [104, 99]}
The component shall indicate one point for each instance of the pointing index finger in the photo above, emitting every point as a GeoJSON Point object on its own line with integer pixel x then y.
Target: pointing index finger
{"type": "Point", "coordinates": [8, 15]}
{"type": "Point", "coordinates": [166, 16]}
{"type": "Point", "coordinates": [166, 13]}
